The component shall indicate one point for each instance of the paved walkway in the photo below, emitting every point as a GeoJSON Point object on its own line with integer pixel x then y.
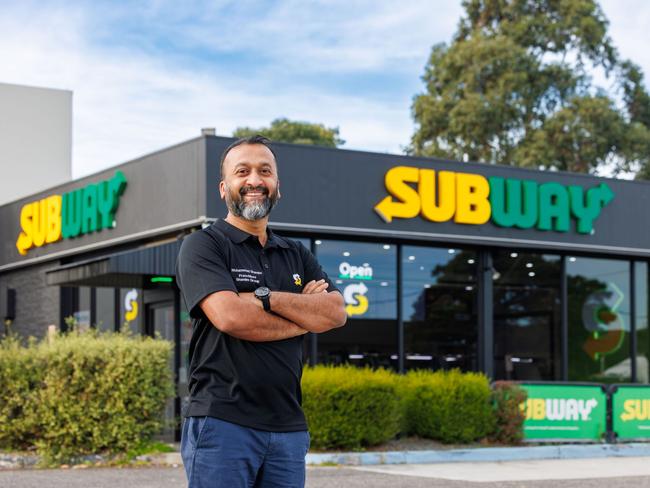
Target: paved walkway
{"type": "Point", "coordinates": [556, 469]}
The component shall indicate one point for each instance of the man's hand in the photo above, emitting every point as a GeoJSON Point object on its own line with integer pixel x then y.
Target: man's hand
{"type": "Point", "coordinates": [314, 286]}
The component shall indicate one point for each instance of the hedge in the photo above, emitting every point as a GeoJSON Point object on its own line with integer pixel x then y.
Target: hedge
{"type": "Point", "coordinates": [448, 406]}
{"type": "Point", "coordinates": [507, 399]}
{"type": "Point", "coordinates": [349, 407]}
{"type": "Point", "coordinates": [83, 393]}
{"type": "Point", "coordinates": [90, 393]}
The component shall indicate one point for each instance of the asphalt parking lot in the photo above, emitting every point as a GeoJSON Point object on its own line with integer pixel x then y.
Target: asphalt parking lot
{"type": "Point", "coordinates": [584, 473]}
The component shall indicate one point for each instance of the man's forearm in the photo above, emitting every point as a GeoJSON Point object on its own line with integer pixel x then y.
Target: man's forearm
{"type": "Point", "coordinates": [318, 312]}
{"type": "Point", "coordinates": [246, 320]}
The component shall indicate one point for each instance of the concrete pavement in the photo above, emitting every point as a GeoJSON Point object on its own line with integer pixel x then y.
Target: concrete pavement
{"type": "Point", "coordinates": [535, 470]}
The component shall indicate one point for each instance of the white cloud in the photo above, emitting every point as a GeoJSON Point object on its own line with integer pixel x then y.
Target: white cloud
{"type": "Point", "coordinates": [134, 97]}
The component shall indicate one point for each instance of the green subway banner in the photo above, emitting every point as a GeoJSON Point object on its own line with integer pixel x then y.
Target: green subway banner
{"type": "Point", "coordinates": [563, 412]}
{"type": "Point", "coordinates": [631, 412]}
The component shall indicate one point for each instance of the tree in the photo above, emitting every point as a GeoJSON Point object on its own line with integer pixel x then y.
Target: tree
{"type": "Point", "coordinates": [514, 87]}
{"type": "Point", "coordinates": [296, 132]}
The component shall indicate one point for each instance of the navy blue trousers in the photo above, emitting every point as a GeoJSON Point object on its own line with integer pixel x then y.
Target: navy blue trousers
{"type": "Point", "coordinates": [222, 454]}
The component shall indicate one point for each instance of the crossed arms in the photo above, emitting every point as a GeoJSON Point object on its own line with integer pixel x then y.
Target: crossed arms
{"type": "Point", "coordinates": [243, 316]}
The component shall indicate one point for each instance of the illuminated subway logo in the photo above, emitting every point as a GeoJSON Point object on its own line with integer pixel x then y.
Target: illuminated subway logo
{"type": "Point", "coordinates": [75, 213]}
{"type": "Point", "coordinates": [467, 198]}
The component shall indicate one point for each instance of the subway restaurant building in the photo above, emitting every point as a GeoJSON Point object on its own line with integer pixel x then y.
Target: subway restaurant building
{"type": "Point", "coordinates": [524, 275]}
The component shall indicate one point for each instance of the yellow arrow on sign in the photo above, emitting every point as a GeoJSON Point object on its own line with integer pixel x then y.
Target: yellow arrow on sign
{"type": "Point", "coordinates": [396, 183]}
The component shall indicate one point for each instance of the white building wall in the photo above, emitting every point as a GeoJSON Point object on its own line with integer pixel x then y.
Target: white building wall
{"type": "Point", "coordinates": [35, 140]}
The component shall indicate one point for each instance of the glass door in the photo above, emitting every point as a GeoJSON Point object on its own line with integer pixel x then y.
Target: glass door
{"type": "Point", "coordinates": [160, 322]}
{"type": "Point", "coordinates": [527, 327]}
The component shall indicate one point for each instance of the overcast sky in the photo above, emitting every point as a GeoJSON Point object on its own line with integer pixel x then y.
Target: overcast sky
{"type": "Point", "coordinates": [146, 75]}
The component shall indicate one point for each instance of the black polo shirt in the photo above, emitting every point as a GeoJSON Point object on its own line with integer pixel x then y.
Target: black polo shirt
{"type": "Point", "coordinates": [255, 384]}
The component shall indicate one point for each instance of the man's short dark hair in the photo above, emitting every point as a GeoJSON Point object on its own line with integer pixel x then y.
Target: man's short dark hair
{"type": "Point", "coordinates": [256, 139]}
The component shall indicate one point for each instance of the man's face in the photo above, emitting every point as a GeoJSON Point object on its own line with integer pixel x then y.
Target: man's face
{"type": "Point", "coordinates": [250, 182]}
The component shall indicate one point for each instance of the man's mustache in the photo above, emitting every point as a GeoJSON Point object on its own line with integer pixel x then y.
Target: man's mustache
{"type": "Point", "coordinates": [261, 189]}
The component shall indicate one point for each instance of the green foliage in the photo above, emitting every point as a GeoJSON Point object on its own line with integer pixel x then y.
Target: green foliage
{"type": "Point", "coordinates": [348, 407]}
{"type": "Point", "coordinates": [448, 406]}
{"type": "Point", "coordinates": [82, 393]}
{"type": "Point", "coordinates": [514, 87]}
{"type": "Point", "coordinates": [296, 132]}
{"type": "Point", "coordinates": [507, 400]}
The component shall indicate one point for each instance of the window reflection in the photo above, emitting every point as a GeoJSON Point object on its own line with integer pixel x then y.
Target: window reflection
{"type": "Point", "coordinates": [599, 319]}
{"type": "Point", "coordinates": [105, 303]}
{"type": "Point", "coordinates": [366, 276]}
{"type": "Point", "coordinates": [526, 315]}
{"type": "Point", "coordinates": [82, 314]}
{"type": "Point", "coordinates": [641, 322]}
{"type": "Point", "coordinates": [439, 308]}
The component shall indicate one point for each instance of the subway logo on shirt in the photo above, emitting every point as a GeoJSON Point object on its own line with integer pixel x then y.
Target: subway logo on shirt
{"type": "Point", "coordinates": [75, 213]}
{"type": "Point", "coordinates": [467, 198]}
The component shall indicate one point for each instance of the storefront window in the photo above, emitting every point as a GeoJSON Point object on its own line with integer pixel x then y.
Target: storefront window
{"type": "Point", "coordinates": [527, 344]}
{"type": "Point", "coordinates": [641, 322]}
{"type": "Point", "coordinates": [599, 319]}
{"type": "Point", "coordinates": [439, 308]}
{"type": "Point", "coordinates": [82, 315]}
{"type": "Point", "coordinates": [105, 309]}
{"type": "Point", "coordinates": [365, 273]}
{"type": "Point", "coordinates": [131, 310]}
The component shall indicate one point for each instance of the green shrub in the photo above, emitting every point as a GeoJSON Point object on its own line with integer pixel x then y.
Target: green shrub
{"type": "Point", "coordinates": [83, 393]}
{"type": "Point", "coordinates": [20, 380]}
{"type": "Point", "coordinates": [448, 406]}
{"type": "Point", "coordinates": [507, 399]}
{"type": "Point", "coordinates": [348, 407]}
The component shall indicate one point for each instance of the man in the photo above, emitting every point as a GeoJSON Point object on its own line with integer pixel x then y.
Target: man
{"type": "Point", "coordinates": [252, 295]}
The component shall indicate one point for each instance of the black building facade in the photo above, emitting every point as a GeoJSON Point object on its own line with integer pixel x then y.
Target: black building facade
{"type": "Point", "coordinates": [521, 274]}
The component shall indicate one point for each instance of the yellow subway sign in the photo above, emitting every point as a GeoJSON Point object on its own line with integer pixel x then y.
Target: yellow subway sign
{"type": "Point", "coordinates": [631, 411]}
{"type": "Point", "coordinates": [75, 213]}
{"type": "Point", "coordinates": [468, 198]}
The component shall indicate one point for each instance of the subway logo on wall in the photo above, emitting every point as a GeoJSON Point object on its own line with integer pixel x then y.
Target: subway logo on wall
{"type": "Point", "coordinates": [466, 198]}
{"type": "Point", "coordinates": [73, 214]}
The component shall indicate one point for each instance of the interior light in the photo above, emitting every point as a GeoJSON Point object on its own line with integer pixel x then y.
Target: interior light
{"type": "Point", "coordinates": [572, 259]}
{"type": "Point", "coordinates": [421, 268]}
{"type": "Point", "coordinates": [411, 258]}
{"type": "Point", "coordinates": [318, 242]}
{"type": "Point", "coordinates": [346, 253]}
{"type": "Point", "coordinates": [531, 274]}
{"type": "Point", "coordinates": [529, 265]}
{"type": "Point", "coordinates": [427, 285]}
{"type": "Point", "coordinates": [469, 288]}
{"type": "Point", "coordinates": [384, 283]}
{"type": "Point", "coordinates": [451, 251]}
{"type": "Point", "coordinates": [386, 246]}
{"type": "Point", "coordinates": [162, 279]}
{"type": "Point", "coordinates": [470, 261]}
{"type": "Point", "coordinates": [513, 254]}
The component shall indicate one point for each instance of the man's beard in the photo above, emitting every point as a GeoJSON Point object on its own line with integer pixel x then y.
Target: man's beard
{"type": "Point", "coordinates": [253, 210]}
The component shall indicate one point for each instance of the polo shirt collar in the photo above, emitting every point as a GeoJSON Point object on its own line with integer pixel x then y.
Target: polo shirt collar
{"type": "Point", "coordinates": [238, 236]}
